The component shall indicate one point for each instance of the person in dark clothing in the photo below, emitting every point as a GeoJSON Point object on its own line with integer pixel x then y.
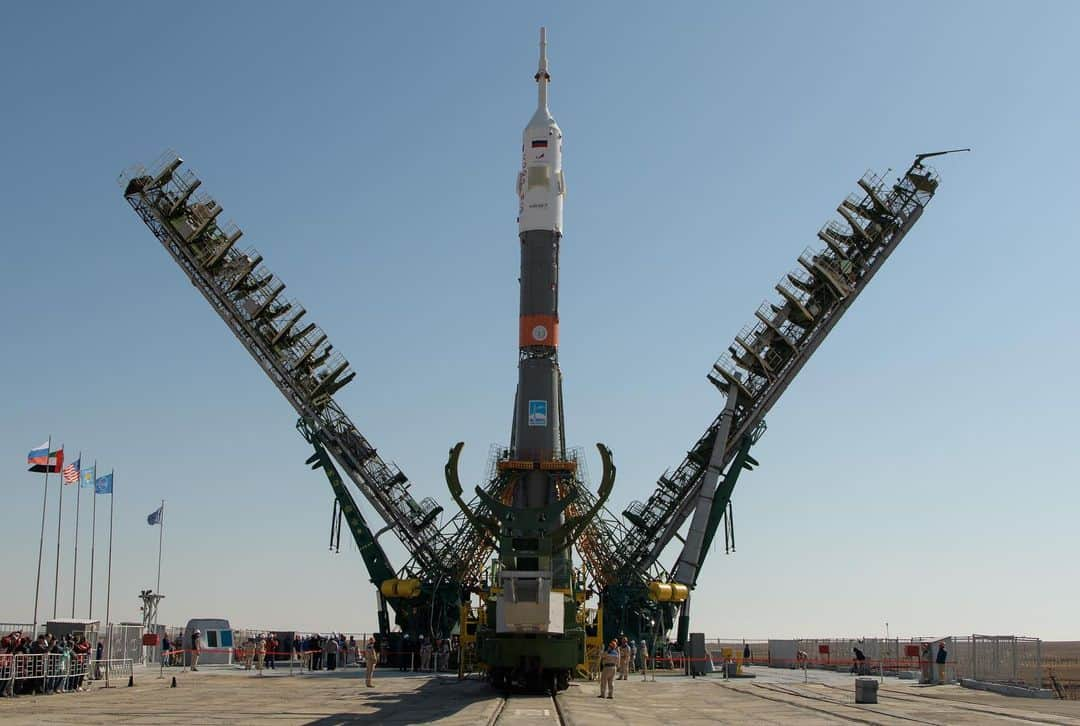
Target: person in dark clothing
{"type": "Point", "coordinates": [99, 653]}
{"type": "Point", "coordinates": [53, 681]}
{"type": "Point", "coordinates": [746, 653]}
{"type": "Point", "coordinates": [404, 653]}
{"type": "Point", "coordinates": [332, 648]}
{"type": "Point", "coordinates": [271, 651]}
{"type": "Point", "coordinates": [39, 646]}
{"type": "Point", "coordinates": [858, 664]}
{"type": "Point", "coordinates": [941, 659]}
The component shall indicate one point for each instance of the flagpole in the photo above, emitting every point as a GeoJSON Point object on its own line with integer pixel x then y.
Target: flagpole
{"type": "Point", "coordinates": [160, 541]}
{"type": "Point", "coordinates": [59, 519]}
{"type": "Point", "coordinates": [108, 586]}
{"type": "Point", "coordinates": [93, 543]}
{"type": "Point", "coordinates": [161, 538]}
{"type": "Point", "coordinates": [41, 542]}
{"type": "Point", "coordinates": [78, 504]}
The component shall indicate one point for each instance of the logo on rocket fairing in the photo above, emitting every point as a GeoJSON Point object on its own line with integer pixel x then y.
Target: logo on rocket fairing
{"type": "Point", "coordinates": [538, 413]}
{"type": "Point", "coordinates": [539, 333]}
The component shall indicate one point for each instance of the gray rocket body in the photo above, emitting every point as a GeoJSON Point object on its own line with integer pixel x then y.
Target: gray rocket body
{"type": "Point", "coordinates": [536, 420]}
{"type": "Point", "coordinates": [537, 434]}
{"type": "Point", "coordinates": [538, 409]}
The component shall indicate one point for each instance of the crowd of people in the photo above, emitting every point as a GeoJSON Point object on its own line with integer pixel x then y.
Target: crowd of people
{"type": "Point", "coordinates": [425, 654]}
{"type": "Point", "coordinates": [314, 652]}
{"type": "Point", "coordinates": [54, 664]}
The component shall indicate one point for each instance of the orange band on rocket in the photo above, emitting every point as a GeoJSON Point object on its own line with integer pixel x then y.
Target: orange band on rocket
{"type": "Point", "coordinates": [538, 330]}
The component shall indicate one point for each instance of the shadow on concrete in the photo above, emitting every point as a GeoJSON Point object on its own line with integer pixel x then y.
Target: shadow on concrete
{"type": "Point", "coordinates": [436, 698]}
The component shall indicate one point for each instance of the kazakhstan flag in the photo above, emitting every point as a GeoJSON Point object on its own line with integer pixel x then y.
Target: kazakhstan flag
{"type": "Point", "coordinates": [86, 480]}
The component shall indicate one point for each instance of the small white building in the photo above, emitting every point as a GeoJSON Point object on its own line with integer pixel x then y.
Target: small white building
{"type": "Point", "coordinates": [216, 643]}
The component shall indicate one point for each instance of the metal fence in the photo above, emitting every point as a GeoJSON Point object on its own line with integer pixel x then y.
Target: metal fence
{"type": "Point", "coordinates": [125, 640]}
{"type": "Point", "coordinates": [24, 628]}
{"type": "Point", "coordinates": [43, 672]}
{"type": "Point", "coordinates": [1009, 659]}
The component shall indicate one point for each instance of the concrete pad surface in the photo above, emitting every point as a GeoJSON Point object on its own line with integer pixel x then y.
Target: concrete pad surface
{"type": "Point", "coordinates": [325, 699]}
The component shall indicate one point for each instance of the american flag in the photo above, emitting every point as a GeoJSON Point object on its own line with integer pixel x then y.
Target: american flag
{"type": "Point", "coordinates": [70, 472]}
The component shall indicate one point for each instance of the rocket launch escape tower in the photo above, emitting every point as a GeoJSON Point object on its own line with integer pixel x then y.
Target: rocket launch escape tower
{"type": "Point", "coordinates": [535, 507]}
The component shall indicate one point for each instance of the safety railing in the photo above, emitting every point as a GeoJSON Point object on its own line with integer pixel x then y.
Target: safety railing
{"type": "Point", "coordinates": [109, 668]}
{"type": "Point", "coordinates": [43, 672]}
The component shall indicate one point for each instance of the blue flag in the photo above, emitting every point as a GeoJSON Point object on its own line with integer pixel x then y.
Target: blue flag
{"type": "Point", "coordinates": [103, 484]}
{"type": "Point", "coordinates": [87, 479]}
{"type": "Point", "coordinates": [154, 517]}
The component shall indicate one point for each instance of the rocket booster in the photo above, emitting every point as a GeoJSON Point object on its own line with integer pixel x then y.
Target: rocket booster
{"type": "Point", "coordinates": [537, 431]}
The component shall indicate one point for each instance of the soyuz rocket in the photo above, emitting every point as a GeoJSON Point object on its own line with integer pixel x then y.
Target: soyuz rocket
{"type": "Point", "coordinates": [537, 433]}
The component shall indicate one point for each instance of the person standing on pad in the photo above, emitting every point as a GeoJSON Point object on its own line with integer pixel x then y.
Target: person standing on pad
{"type": "Point", "coordinates": [370, 658]}
{"type": "Point", "coordinates": [196, 646]}
{"type": "Point", "coordinates": [624, 659]}
{"type": "Point", "coordinates": [609, 661]}
{"type": "Point", "coordinates": [858, 663]}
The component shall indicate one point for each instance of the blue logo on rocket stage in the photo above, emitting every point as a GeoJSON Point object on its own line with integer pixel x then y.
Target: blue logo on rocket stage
{"type": "Point", "coordinates": [538, 413]}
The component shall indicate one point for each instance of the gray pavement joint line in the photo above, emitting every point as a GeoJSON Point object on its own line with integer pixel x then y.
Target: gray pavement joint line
{"type": "Point", "coordinates": [981, 708]}
{"type": "Point", "coordinates": [858, 707]}
{"type": "Point", "coordinates": [803, 706]}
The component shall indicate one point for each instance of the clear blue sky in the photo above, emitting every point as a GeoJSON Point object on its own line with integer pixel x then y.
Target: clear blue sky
{"type": "Point", "coordinates": [922, 470]}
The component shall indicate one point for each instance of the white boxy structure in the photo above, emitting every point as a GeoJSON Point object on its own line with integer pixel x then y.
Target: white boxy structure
{"type": "Point", "coordinates": [527, 603]}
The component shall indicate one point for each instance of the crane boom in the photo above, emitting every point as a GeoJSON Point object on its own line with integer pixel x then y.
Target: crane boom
{"type": "Point", "coordinates": [766, 357]}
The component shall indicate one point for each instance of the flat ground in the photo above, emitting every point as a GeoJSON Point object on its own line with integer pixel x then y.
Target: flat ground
{"type": "Point", "coordinates": [774, 696]}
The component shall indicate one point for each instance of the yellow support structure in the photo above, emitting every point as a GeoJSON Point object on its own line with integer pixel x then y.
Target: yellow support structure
{"type": "Point", "coordinates": [469, 620]}
{"type": "Point", "coordinates": [594, 644]}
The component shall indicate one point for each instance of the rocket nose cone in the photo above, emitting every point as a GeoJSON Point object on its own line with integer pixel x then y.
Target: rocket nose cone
{"type": "Point", "coordinates": [542, 119]}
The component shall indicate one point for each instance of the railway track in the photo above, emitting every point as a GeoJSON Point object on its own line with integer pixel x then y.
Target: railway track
{"type": "Point", "coordinates": [838, 708]}
{"type": "Point", "coordinates": [778, 693]}
{"type": "Point", "coordinates": [969, 706]}
{"type": "Point", "coordinates": [528, 710]}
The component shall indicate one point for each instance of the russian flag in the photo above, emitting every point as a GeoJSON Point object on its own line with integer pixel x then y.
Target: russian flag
{"type": "Point", "coordinates": [41, 460]}
{"type": "Point", "coordinates": [38, 455]}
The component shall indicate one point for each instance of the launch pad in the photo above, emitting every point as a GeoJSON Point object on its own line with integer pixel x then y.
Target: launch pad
{"type": "Point", "coordinates": [773, 696]}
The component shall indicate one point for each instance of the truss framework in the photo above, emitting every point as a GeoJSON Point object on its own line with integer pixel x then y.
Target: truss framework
{"type": "Point", "coordinates": [294, 353]}
{"type": "Point", "coordinates": [768, 354]}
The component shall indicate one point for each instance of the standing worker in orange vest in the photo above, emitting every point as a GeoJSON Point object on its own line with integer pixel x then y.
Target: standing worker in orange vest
{"type": "Point", "coordinates": [609, 661]}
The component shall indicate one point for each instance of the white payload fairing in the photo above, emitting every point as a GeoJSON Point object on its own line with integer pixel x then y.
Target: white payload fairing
{"type": "Point", "coordinates": [540, 184]}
